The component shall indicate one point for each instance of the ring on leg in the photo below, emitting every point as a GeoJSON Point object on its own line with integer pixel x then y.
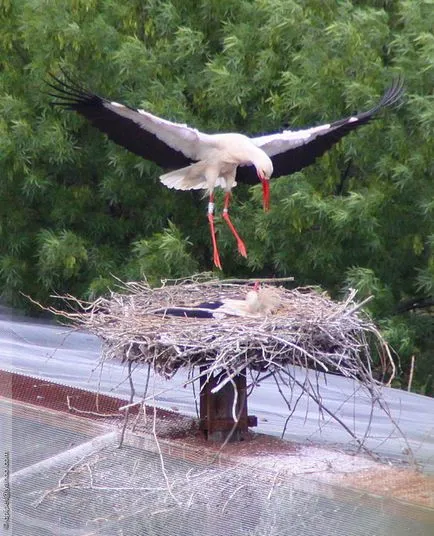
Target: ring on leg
{"type": "Point", "coordinates": [216, 256]}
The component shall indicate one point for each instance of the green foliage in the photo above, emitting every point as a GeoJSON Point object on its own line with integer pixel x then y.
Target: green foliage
{"type": "Point", "coordinates": [75, 209]}
{"type": "Point", "coordinates": [60, 256]}
{"type": "Point", "coordinates": [165, 252]}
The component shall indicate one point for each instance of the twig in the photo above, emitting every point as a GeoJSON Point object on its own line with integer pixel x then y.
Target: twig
{"type": "Point", "coordinates": [340, 421]}
{"type": "Point", "coordinates": [82, 411]}
{"type": "Point", "coordinates": [264, 280]}
{"type": "Point", "coordinates": [60, 486]}
{"type": "Point", "coordinates": [273, 485]}
{"type": "Point", "coordinates": [127, 410]}
{"type": "Point", "coordinates": [145, 392]}
{"type": "Point", "coordinates": [410, 379]}
{"type": "Point", "coordinates": [163, 467]}
{"type": "Point", "coordinates": [358, 306]}
{"type": "Point", "coordinates": [232, 495]}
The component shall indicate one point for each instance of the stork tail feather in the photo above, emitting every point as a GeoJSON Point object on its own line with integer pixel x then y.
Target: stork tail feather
{"type": "Point", "coordinates": [190, 178]}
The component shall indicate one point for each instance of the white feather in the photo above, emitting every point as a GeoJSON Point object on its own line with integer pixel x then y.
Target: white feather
{"type": "Point", "coordinates": [177, 180]}
{"type": "Point", "coordinates": [281, 142]}
{"type": "Point", "coordinates": [189, 179]}
{"type": "Point", "coordinates": [178, 136]}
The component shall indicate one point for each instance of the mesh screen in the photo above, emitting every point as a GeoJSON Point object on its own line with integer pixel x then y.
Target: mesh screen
{"type": "Point", "coordinates": [103, 490]}
{"type": "Point", "coordinates": [69, 478]}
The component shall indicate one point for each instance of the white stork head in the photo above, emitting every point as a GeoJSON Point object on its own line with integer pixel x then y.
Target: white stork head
{"type": "Point", "coordinates": [264, 170]}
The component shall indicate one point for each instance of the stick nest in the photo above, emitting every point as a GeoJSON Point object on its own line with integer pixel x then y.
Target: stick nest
{"type": "Point", "coordinates": [307, 329]}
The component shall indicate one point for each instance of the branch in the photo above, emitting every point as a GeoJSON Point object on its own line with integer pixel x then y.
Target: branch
{"type": "Point", "coordinates": [344, 176]}
{"type": "Point", "coordinates": [414, 303]}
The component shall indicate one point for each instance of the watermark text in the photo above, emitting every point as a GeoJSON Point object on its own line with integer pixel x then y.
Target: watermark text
{"type": "Point", "coordinates": [6, 491]}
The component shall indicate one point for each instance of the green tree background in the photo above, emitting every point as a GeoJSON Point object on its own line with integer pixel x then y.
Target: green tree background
{"type": "Point", "coordinates": [75, 208]}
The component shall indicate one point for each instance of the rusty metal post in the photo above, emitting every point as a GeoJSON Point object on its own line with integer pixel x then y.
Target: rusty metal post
{"type": "Point", "coordinates": [216, 409]}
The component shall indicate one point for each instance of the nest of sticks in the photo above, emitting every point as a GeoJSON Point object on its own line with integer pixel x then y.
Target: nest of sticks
{"type": "Point", "coordinates": [306, 328]}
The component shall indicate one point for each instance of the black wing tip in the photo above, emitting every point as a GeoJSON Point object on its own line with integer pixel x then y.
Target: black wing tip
{"type": "Point", "coordinates": [392, 95]}
{"type": "Point", "coordinates": [68, 92]}
{"type": "Point", "coordinates": [395, 91]}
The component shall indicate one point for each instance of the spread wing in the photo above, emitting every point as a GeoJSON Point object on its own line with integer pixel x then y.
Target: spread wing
{"type": "Point", "coordinates": [170, 145]}
{"type": "Point", "coordinates": [291, 151]}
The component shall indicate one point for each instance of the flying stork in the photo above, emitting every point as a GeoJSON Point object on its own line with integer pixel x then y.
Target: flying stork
{"type": "Point", "coordinates": [197, 160]}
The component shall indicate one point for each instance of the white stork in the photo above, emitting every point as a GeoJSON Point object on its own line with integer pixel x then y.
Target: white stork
{"type": "Point", "coordinates": [257, 302]}
{"type": "Point", "coordinates": [204, 161]}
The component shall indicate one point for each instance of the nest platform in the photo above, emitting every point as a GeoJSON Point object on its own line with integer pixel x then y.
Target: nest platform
{"type": "Point", "coordinates": [306, 329]}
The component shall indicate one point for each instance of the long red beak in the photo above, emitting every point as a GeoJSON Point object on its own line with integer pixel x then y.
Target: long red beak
{"type": "Point", "coordinates": [265, 193]}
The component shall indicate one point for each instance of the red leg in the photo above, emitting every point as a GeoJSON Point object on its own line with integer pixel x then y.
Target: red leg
{"type": "Point", "coordinates": [241, 247]}
{"type": "Point", "coordinates": [216, 256]}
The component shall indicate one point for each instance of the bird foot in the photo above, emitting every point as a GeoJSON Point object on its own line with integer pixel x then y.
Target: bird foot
{"type": "Point", "coordinates": [241, 246]}
{"type": "Point", "coordinates": [216, 259]}
{"type": "Point", "coordinates": [242, 249]}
